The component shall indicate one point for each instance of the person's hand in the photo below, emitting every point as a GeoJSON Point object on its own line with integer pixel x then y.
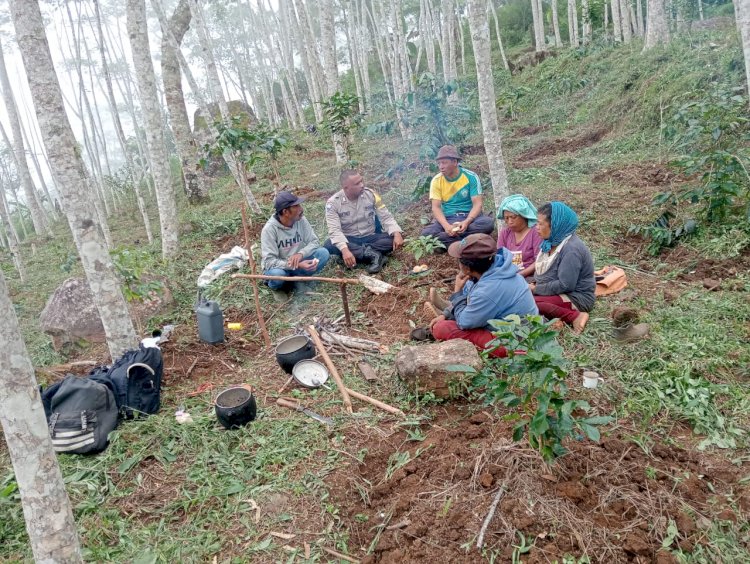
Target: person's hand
{"type": "Point", "coordinates": [349, 259]}
{"type": "Point", "coordinates": [308, 265]}
{"type": "Point", "coordinates": [462, 225]}
{"type": "Point", "coordinates": [436, 320]}
{"type": "Point", "coordinates": [398, 241]}
{"type": "Point", "coordinates": [532, 287]}
{"type": "Point", "coordinates": [293, 261]}
{"type": "Point", "coordinates": [461, 280]}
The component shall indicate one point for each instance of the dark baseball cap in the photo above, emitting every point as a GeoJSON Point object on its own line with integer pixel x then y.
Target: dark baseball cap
{"type": "Point", "coordinates": [286, 200]}
{"type": "Point", "coordinates": [476, 246]}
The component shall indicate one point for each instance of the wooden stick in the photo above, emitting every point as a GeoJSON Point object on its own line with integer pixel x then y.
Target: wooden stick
{"type": "Point", "coordinates": [491, 512]}
{"type": "Point", "coordinates": [251, 260]}
{"type": "Point", "coordinates": [339, 555]}
{"type": "Point", "coordinates": [297, 278]}
{"type": "Point", "coordinates": [282, 388]}
{"type": "Point", "coordinates": [334, 373]}
{"type": "Point", "coordinates": [345, 301]}
{"type": "Point", "coordinates": [376, 403]}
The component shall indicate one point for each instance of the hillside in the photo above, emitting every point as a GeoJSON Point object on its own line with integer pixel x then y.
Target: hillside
{"type": "Point", "coordinates": [667, 482]}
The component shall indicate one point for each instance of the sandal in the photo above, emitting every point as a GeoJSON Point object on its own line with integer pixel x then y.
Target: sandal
{"type": "Point", "coordinates": [422, 334]}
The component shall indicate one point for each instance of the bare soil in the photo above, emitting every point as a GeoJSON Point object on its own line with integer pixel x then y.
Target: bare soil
{"type": "Point", "coordinates": [609, 500]}
{"type": "Point", "coordinates": [556, 146]}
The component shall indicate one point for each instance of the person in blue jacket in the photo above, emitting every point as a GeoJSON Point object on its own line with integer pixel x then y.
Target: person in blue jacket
{"type": "Point", "coordinates": [488, 286]}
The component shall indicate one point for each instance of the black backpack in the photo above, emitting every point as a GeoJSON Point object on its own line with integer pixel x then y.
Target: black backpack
{"type": "Point", "coordinates": [80, 414]}
{"type": "Point", "coordinates": [135, 379]}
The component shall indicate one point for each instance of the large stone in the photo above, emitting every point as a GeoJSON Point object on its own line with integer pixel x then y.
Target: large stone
{"type": "Point", "coordinates": [71, 315]}
{"type": "Point", "coordinates": [425, 368]}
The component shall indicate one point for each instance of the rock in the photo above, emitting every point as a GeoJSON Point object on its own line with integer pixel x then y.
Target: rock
{"type": "Point", "coordinates": [425, 368]}
{"type": "Point", "coordinates": [71, 315]}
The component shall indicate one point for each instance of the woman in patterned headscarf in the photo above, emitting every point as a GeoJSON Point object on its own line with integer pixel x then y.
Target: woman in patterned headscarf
{"type": "Point", "coordinates": [564, 278]}
{"type": "Point", "coordinates": [519, 235]}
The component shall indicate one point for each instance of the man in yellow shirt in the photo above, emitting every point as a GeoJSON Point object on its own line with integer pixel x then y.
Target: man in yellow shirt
{"type": "Point", "coordinates": [456, 196]}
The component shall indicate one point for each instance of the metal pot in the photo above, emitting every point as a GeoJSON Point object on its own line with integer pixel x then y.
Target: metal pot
{"type": "Point", "coordinates": [235, 407]}
{"type": "Point", "coordinates": [291, 350]}
{"type": "Point", "coordinates": [310, 373]}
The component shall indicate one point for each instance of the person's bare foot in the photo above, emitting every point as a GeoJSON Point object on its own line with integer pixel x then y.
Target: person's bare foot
{"type": "Point", "coordinates": [580, 323]}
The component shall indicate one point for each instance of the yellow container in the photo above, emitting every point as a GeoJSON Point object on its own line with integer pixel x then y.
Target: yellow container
{"type": "Point", "coordinates": [234, 326]}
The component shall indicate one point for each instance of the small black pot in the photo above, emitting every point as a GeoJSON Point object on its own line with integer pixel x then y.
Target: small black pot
{"type": "Point", "coordinates": [235, 407]}
{"type": "Point", "coordinates": [291, 350]}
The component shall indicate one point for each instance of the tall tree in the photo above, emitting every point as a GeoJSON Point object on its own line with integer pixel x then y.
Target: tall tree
{"type": "Point", "coordinates": [742, 8]}
{"type": "Point", "coordinates": [537, 23]}
{"type": "Point", "coordinates": [493, 146]}
{"type": "Point", "coordinates": [46, 507]}
{"type": "Point", "coordinates": [145, 79]}
{"type": "Point", "coordinates": [492, 8]}
{"type": "Point", "coordinates": [68, 169]}
{"type": "Point", "coordinates": [136, 178]}
{"type": "Point", "coordinates": [41, 226]}
{"type": "Point", "coordinates": [573, 23]}
{"type": "Point", "coordinates": [328, 44]}
{"type": "Point", "coordinates": [11, 235]}
{"type": "Point", "coordinates": [196, 186]}
{"type": "Point", "coordinates": [556, 25]}
{"type": "Point", "coordinates": [657, 25]}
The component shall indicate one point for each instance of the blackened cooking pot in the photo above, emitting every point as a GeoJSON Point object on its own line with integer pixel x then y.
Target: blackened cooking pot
{"type": "Point", "coordinates": [291, 350]}
{"type": "Point", "coordinates": [235, 407]}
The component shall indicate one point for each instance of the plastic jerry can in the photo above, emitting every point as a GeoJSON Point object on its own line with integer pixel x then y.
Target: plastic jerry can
{"type": "Point", "coordinates": [210, 321]}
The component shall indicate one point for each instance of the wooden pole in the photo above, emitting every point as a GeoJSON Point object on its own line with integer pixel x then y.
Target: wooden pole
{"type": "Point", "coordinates": [256, 297]}
{"type": "Point", "coordinates": [376, 403]}
{"type": "Point", "coordinates": [345, 301]}
{"type": "Point", "coordinates": [298, 278]}
{"type": "Point", "coordinates": [334, 373]}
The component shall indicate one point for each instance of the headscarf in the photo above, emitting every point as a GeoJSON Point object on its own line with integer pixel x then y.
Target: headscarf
{"type": "Point", "coordinates": [519, 205]}
{"type": "Point", "coordinates": [563, 222]}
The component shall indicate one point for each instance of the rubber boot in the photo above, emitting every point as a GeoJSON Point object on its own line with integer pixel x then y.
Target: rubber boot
{"type": "Point", "coordinates": [377, 260]}
{"type": "Point", "coordinates": [630, 332]}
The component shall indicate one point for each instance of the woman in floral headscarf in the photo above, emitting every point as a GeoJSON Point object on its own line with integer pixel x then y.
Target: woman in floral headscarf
{"type": "Point", "coordinates": [564, 278]}
{"type": "Point", "coordinates": [519, 235]}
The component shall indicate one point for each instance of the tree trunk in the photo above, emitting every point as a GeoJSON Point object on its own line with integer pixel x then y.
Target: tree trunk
{"type": "Point", "coordinates": [573, 23]}
{"type": "Point", "coordinates": [446, 12]}
{"type": "Point", "coordinates": [328, 43]}
{"type": "Point", "coordinates": [586, 22]}
{"type": "Point", "coordinates": [145, 80]}
{"type": "Point", "coordinates": [639, 18]}
{"type": "Point", "coordinates": [68, 169]}
{"type": "Point", "coordinates": [135, 179]}
{"type": "Point", "coordinates": [480, 40]}
{"type": "Point", "coordinates": [616, 23]}
{"type": "Point", "coordinates": [309, 49]}
{"type": "Point", "coordinates": [536, 24]}
{"type": "Point", "coordinates": [743, 23]}
{"type": "Point", "coordinates": [657, 25]}
{"type": "Point", "coordinates": [41, 226]}
{"type": "Point", "coordinates": [700, 8]}
{"type": "Point", "coordinates": [627, 34]}
{"type": "Point", "coordinates": [46, 507]}
{"type": "Point", "coordinates": [11, 236]}
{"type": "Point", "coordinates": [556, 25]}
{"type": "Point", "coordinates": [497, 34]}
{"type": "Point", "coordinates": [237, 170]}
{"type": "Point", "coordinates": [196, 184]}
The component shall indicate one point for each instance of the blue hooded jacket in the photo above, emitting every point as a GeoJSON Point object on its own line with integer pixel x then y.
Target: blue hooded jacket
{"type": "Point", "coordinates": [501, 291]}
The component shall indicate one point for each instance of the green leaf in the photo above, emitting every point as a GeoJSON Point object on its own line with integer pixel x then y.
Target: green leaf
{"type": "Point", "coordinates": [591, 432]}
{"type": "Point", "coordinates": [602, 420]}
{"type": "Point", "coordinates": [233, 489]}
{"type": "Point", "coordinates": [128, 464]}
